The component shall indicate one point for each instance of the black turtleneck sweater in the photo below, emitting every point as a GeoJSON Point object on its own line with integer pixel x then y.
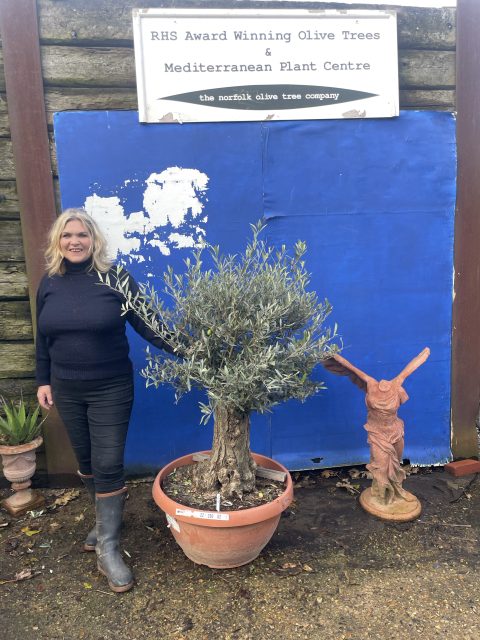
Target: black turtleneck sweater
{"type": "Point", "coordinates": [80, 329]}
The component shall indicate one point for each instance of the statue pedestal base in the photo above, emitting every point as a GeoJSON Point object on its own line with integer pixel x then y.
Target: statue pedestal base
{"type": "Point", "coordinates": [397, 511]}
{"type": "Point", "coordinates": [22, 501]}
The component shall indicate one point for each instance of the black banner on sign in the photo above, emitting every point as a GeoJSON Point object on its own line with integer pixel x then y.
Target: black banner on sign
{"type": "Point", "coordinates": [270, 96]}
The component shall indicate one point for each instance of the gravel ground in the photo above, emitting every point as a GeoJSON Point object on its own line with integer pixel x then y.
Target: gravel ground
{"type": "Point", "coordinates": [331, 571]}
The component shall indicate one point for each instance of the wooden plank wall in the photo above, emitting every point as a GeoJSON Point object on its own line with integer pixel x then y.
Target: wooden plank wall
{"type": "Point", "coordinates": [88, 63]}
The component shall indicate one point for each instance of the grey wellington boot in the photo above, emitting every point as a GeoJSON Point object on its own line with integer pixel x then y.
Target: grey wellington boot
{"type": "Point", "coordinates": [109, 509]}
{"type": "Point", "coordinates": [91, 539]}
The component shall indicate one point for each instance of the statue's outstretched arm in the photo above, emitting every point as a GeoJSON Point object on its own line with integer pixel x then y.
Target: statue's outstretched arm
{"type": "Point", "coordinates": [342, 367]}
{"type": "Point", "coordinates": [413, 365]}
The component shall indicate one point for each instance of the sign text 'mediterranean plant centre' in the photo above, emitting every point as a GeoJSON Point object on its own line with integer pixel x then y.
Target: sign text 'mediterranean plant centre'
{"type": "Point", "coordinates": [216, 65]}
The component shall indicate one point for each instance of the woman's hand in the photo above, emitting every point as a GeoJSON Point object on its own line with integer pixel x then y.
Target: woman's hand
{"type": "Point", "coordinates": [44, 396]}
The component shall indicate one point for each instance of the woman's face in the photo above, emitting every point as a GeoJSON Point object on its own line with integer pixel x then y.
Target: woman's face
{"type": "Point", "coordinates": [75, 242]}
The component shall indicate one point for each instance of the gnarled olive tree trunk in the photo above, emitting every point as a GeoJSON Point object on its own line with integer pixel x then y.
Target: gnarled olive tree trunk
{"type": "Point", "coordinates": [230, 470]}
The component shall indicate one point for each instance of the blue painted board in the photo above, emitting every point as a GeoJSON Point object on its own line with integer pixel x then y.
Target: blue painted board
{"type": "Point", "coordinates": [375, 201]}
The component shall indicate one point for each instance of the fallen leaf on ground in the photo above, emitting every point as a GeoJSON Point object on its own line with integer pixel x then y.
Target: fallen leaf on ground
{"type": "Point", "coordinates": [410, 471]}
{"type": "Point", "coordinates": [351, 488]}
{"type": "Point", "coordinates": [11, 545]}
{"type": "Point", "coordinates": [357, 473]}
{"type": "Point", "coordinates": [66, 497]}
{"type": "Point", "coordinates": [36, 514]}
{"type": "Point", "coordinates": [30, 532]}
{"type": "Point", "coordinates": [25, 574]}
{"type": "Point", "coordinates": [328, 473]}
{"type": "Point", "coordinates": [147, 480]}
{"type": "Point", "coordinates": [305, 482]}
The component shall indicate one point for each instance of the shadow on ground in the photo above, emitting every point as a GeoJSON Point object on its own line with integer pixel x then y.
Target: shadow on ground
{"type": "Point", "coordinates": [331, 571]}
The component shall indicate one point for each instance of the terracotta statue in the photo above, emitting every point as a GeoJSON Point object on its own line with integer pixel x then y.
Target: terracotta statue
{"type": "Point", "coordinates": [386, 498]}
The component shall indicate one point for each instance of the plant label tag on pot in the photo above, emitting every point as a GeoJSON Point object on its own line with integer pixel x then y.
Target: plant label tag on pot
{"type": "Point", "coordinates": [210, 515]}
{"type": "Point", "coordinates": [172, 523]}
{"type": "Point", "coordinates": [202, 515]}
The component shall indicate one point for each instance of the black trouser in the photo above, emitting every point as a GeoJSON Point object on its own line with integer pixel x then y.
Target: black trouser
{"type": "Point", "coordinates": [96, 414]}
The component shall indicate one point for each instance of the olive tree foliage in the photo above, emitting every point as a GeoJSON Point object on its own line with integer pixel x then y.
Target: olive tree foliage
{"type": "Point", "coordinates": [246, 329]}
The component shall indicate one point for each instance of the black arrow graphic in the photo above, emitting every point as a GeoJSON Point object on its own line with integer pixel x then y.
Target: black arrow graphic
{"type": "Point", "coordinates": [270, 96]}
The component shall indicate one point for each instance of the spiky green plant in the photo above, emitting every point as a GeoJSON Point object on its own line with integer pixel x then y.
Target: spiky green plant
{"type": "Point", "coordinates": [20, 423]}
{"type": "Point", "coordinates": [248, 333]}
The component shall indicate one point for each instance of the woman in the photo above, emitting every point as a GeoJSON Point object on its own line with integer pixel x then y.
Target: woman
{"type": "Point", "coordinates": [83, 367]}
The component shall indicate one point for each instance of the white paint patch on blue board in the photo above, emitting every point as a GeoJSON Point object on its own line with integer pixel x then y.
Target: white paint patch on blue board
{"type": "Point", "coordinates": [171, 217]}
{"type": "Point", "coordinates": [373, 199]}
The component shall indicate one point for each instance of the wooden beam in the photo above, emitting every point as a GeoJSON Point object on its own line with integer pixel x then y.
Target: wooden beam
{"type": "Point", "coordinates": [36, 197]}
{"type": "Point", "coordinates": [15, 320]}
{"type": "Point", "coordinates": [435, 99]}
{"type": "Point", "coordinates": [98, 67]}
{"type": "Point", "coordinates": [28, 126]}
{"type": "Point", "coordinates": [8, 199]}
{"type": "Point", "coordinates": [466, 307]}
{"type": "Point", "coordinates": [4, 124]}
{"type": "Point", "coordinates": [17, 359]}
{"type": "Point", "coordinates": [11, 248]}
{"type": "Point", "coordinates": [13, 280]}
{"type": "Point", "coordinates": [15, 387]}
{"type": "Point", "coordinates": [7, 164]}
{"type": "Point", "coordinates": [109, 22]}
{"type": "Point", "coordinates": [422, 28]}
{"type": "Point", "coordinates": [426, 69]}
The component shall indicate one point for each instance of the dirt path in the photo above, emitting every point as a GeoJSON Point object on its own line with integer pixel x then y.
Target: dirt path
{"type": "Point", "coordinates": [331, 572]}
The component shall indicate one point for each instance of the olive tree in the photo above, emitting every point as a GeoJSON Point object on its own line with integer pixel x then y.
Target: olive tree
{"type": "Point", "coordinates": [247, 331]}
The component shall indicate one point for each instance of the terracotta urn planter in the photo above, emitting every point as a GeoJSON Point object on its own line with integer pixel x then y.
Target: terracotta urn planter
{"type": "Point", "coordinates": [222, 539]}
{"type": "Point", "coordinates": [19, 464]}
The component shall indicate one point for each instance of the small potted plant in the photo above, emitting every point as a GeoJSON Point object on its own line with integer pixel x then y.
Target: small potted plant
{"type": "Point", "coordinates": [249, 334]}
{"type": "Point", "coordinates": [20, 429]}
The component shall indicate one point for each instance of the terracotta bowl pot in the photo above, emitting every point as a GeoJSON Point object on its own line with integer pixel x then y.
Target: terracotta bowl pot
{"type": "Point", "coordinates": [223, 539]}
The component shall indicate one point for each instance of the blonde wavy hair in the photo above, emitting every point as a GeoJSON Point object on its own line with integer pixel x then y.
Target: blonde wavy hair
{"type": "Point", "coordinates": [54, 260]}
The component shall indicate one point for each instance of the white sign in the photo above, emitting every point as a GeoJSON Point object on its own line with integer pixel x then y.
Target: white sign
{"type": "Point", "coordinates": [216, 65]}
